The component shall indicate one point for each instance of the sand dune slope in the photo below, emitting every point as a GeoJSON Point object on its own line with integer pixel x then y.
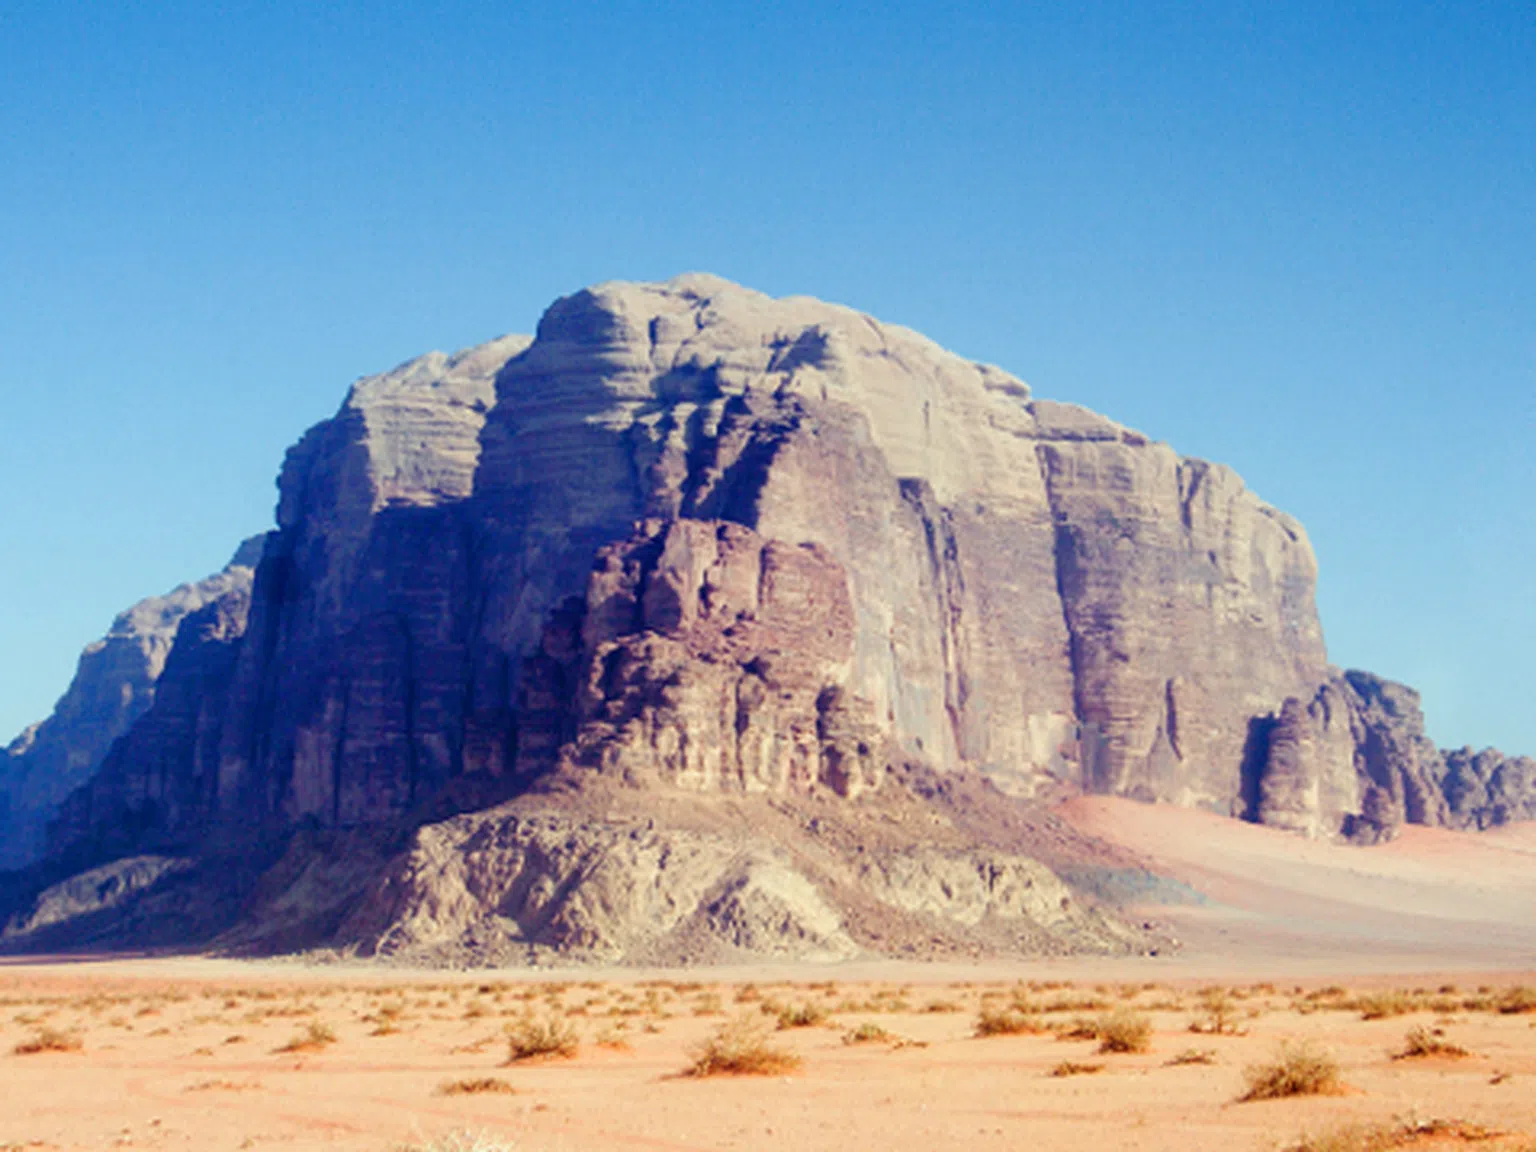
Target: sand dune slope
{"type": "Point", "coordinates": [1431, 898]}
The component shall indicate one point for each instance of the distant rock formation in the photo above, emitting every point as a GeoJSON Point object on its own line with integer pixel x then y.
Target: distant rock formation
{"type": "Point", "coordinates": [692, 538]}
{"type": "Point", "coordinates": [113, 687]}
{"type": "Point", "coordinates": [1354, 762]}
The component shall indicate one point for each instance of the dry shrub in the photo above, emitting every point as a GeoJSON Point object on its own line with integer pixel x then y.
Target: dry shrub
{"type": "Point", "coordinates": [1218, 1014]}
{"type": "Point", "coordinates": [48, 1040]}
{"type": "Point", "coordinates": [1297, 1070]}
{"type": "Point", "coordinates": [1078, 1028]}
{"type": "Point", "coordinates": [530, 1037]}
{"type": "Point", "coordinates": [1124, 1030]}
{"type": "Point", "coordinates": [1516, 1000]}
{"type": "Point", "coordinates": [611, 1039]}
{"type": "Point", "coordinates": [1398, 1134]}
{"type": "Point", "coordinates": [477, 1086]}
{"type": "Point", "coordinates": [807, 1015]}
{"type": "Point", "coordinates": [1007, 1022]}
{"type": "Point", "coordinates": [312, 1038]}
{"type": "Point", "coordinates": [1195, 1056]}
{"type": "Point", "coordinates": [740, 1047]}
{"type": "Point", "coordinates": [1073, 1068]}
{"type": "Point", "coordinates": [868, 1033]}
{"type": "Point", "coordinates": [1422, 1041]}
{"type": "Point", "coordinates": [1381, 1005]}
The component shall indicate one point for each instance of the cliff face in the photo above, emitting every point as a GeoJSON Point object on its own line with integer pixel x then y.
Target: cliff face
{"type": "Point", "coordinates": [114, 686]}
{"type": "Point", "coordinates": [1030, 589]}
{"type": "Point", "coordinates": [694, 536]}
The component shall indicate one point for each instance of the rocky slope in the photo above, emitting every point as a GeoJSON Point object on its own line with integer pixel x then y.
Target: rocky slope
{"type": "Point", "coordinates": [693, 540]}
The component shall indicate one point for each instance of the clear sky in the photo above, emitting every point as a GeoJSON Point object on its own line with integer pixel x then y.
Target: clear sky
{"type": "Point", "coordinates": [1299, 238]}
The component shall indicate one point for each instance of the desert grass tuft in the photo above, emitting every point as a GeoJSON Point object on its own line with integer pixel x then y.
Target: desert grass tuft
{"type": "Point", "coordinates": [1073, 1068]}
{"type": "Point", "coordinates": [1297, 1070]}
{"type": "Point", "coordinates": [1516, 1001]}
{"type": "Point", "coordinates": [806, 1015]}
{"type": "Point", "coordinates": [1124, 1030]}
{"type": "Point", "coordinates": [740, 1047]}
{"type": "Point", "coordinates": [1398, 1134]}
{"type": "Point", "coordinates": [1194, 1056]}
{"type": "Point", "coordinates": [48, 1040]}
{"type": "Point", "coordinates": [313, 1037]}
{"type": "Point", "coordinates": [476, 1086]}
{"type": "Point", "coordinates": [530, 1037]}
{"type": "Point", "coordinates": [1381, 1005]}
{"type": "Point", "coordinates": [1218, 1014]}
{"type": "Point", "coordinates": [1421, 1042]}
{"type": "Point", "coordinates": [868, 1033]}
{"type": "Point", "coordinates": [1010, 1021]}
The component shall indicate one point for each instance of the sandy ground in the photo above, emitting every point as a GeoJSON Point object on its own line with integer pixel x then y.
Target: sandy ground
{"type": "Point", "coordinates": [197, 1053]}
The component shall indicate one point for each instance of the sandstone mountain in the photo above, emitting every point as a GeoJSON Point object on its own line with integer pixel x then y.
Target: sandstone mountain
{"type": "Point", "coordinates": [695, 550]}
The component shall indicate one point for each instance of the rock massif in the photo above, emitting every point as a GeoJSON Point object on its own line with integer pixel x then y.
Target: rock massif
{"type": "Point", "coordinates": [690, 539]}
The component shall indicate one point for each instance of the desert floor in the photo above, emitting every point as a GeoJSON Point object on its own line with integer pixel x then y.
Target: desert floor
{"type": "Point", "coordinates": [1349, 950]}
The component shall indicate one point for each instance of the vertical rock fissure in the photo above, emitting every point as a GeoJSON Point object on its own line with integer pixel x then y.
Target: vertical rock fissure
{"type": "Point", "coordinates": [1087, 749]}
{"type": "Point", "coordinates": [948, 584]}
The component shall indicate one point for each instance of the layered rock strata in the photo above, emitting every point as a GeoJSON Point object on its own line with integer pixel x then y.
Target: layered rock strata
{"type": "Point", "coordinates": [692, 537]}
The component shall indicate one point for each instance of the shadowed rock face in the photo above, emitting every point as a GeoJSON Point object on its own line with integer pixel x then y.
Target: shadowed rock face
{"type": "Point", "coordinates": [113, 687]}
{"type": "Point", "coordinates": [692, 535]}
{"type": "Point", "coordinates": [714, 660]}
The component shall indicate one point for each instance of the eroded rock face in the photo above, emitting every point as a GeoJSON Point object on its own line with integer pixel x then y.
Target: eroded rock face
{"type": "Point", "coordinates": [713, 659]}
{"type": "Point", "coordinates": [1485, 789]}
{"type": "Point", "coordinates": [113, 687]}
{"type": "Point", "coordinates": [1354, 761]}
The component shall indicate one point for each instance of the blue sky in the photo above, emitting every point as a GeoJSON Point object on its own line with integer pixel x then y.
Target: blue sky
{"type": "Point", "coordinates": [1299, 238]}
